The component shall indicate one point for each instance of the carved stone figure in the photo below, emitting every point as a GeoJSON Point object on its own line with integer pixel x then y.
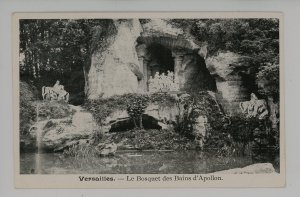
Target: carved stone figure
{"type": "Point", "coordinates": [163, 82]}
{"type": "Point", "coordinates": [48, 93]}
{"type": "Point", "coordinates": [57, 92]}
{"type": "Point", "coordinates": [255, 107]}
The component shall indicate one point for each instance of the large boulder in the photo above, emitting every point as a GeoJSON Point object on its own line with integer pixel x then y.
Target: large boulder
{"type": "Point", "coordinates": [58, 134]}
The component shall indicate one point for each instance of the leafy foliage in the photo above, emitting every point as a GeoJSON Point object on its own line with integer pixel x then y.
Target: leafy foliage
{"type": "Point", "coordinates": [256, 40]}
{"type": "Point", "coordinates": [60, 49]}
{"type": "Point", "coordinates": [268, 80]}
{"type": "Point", "coordinates": [200, 104]}
{"type": "Point", "coordinates": [136, 108]}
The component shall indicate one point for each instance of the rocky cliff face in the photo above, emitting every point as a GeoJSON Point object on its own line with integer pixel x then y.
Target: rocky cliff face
{"type": "Point", "coordinates": [127, 63]}
{"type": "Point", "coordinates": [118, 69]}
{"type": "Point", "coordinates": [230, 88]}
{"type": "Point", "coordinates": [114, 71]}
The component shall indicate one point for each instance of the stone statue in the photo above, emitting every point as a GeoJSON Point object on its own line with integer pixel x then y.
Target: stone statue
{"type": "Point", "coordinates": [57, 92]}
{"type": "Point", "coordinates": [48, 93]}
{"type": "Point", "coordinates": [163, 82]}
{"type": "Point", "coordinates": [255, 107]}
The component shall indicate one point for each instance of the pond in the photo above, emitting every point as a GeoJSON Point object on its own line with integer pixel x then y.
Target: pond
{"type": "Point", "coordinates": [146, 162]}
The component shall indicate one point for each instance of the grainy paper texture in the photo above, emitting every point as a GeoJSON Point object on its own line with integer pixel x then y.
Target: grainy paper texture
{"type": "Point", "coordinates": [148, 100]}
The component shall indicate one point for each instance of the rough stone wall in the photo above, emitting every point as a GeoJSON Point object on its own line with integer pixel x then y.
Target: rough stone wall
{"type": "Point", "coordinates": [112, 72]}
{"type": "Point", "coordinates": [196, 77]}
{"type": "Point", "coordinates": [230, 90]}
{"type": "Point", "coordinates": [117, 70]}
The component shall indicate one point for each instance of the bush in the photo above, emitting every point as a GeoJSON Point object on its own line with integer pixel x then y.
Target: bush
{"type": "Point", "coordinates": [200, 104]}
{"type": "Point", "coordinates": [268, 80]}
{"type": "Point", "coordinates": [241, 136]}
{"type": "Point", "coordinates": [136, 108]}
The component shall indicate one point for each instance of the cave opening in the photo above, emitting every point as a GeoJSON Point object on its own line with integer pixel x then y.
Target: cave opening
{"type": "Point", "coordinates": [73, 81]}
{"type": "Point", "coordinates": [195, 75]}
{"type": "Point", "coordinates": [249, 82]}
{"type": "Point", "coordinates": [163, 54]}
{"type": "Point", "coordinates": [160, 59]}
{"type": "Point", "coordinates": [127, 124]}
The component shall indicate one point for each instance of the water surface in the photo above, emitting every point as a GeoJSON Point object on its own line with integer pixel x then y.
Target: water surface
{"type": "Point", "coordinates": [146, 162]}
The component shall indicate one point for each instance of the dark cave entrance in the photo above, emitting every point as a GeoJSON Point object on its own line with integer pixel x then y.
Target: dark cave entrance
{"type": "Point", "coordinates": [160, 59]}
{"type": "Point", "coordinates": [74, 83]}
{"type": "Point", "coordinates": [127, 124]}
{"type": "Point", "coordinates": [163, 54]}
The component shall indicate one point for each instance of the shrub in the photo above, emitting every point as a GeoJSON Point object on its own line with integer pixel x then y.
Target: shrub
{"type": "Point", "coordinates": [136, 109]}
{"type": "Point", "coordinates": [240, 136]}
{"type": "Point", "coordinates": [268, 80]}
{"type": "Point", "coordinates": [200, 104]}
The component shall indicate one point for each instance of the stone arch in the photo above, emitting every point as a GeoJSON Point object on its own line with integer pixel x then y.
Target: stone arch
{"type": "Point", "coordinates": [127, 124]}
{"type": "Point", "coordinates": [175, 54]}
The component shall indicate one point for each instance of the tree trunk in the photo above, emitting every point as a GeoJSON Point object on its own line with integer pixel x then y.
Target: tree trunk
{"type": "Point", "coordinates": [86, 68]}
{"type": "Point", "coordinates": [274, 110]}
{"type": "Point", "coordinates": [134, 122]}
{"type": "Point", "coordinates": [141, 122]}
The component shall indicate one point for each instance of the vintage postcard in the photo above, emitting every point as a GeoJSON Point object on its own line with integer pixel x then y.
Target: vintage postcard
{"type": "Point", "coordinates": [148, 100]}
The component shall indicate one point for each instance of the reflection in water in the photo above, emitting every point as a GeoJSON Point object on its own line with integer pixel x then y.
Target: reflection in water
{"type": "Point", "coordinates": [150, 162]}
{"type": "Point", "coordinates": [38, 167]}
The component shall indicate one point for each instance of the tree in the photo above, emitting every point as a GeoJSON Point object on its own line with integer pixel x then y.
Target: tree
{"type": "Point", "coordinates": [52, 49]}
{"type": "Point", "coordinates": [268, 80]}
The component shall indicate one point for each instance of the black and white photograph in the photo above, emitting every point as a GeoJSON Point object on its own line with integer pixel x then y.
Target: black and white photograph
{"type": "Point", "coordinates": [148, 95]}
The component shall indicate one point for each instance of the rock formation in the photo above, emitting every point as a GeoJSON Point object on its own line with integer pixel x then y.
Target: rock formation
{"type": "Point", "coordinates": [136, 51]}
{"type": "Point", "coordinates": [115, 71]}
{"type": "Point", "coordinates": [57, 134]}
{"type": "Point", "coordinates": [230, 89]}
